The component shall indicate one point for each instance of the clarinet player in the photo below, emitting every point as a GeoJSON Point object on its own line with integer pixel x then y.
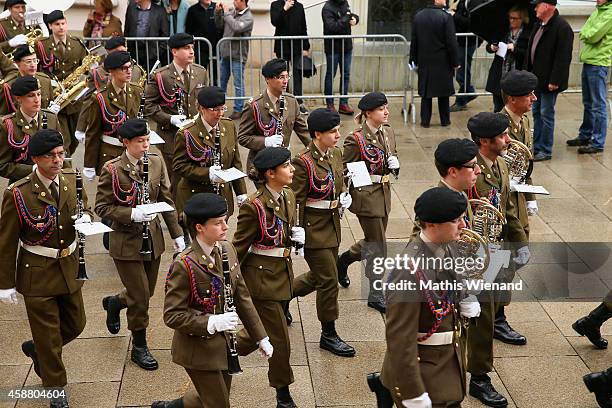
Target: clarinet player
{"type": "Point", "coordinates": [197, 293]}
{"type": "Point", "coordinates": [121, 187]}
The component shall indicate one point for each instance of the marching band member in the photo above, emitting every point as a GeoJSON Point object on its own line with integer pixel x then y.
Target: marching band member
{"type": "Point", "coordinates": [196, 293]}
{"type": "Point", "coordinates": [318, 184]}
{"type": "Point", "coordinates": [123, 185]}
{"type": "Point", "coordinates": [374, 143]}
{"type": "Point", "coordinates": [263, 239]}
{"type": "Point", "coordinates": [12, 29]}
{"type": "Point", "coordinates": [38, 213]}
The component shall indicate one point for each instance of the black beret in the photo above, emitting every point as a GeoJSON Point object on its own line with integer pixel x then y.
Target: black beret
{"type": "Point", "coordinates": [115, 42]}
{"type": "Point", "coordinates": [11, 3]}
{"type": "Point", "coordinates": [116, 59]}
{"type": "Point", "coordinates": [24, 85]}
{"type": "Point", "coordinates": [270, 157]}
{"type": "Point", "coordinates": [440, 204]}
{"type": "Point", "coordinates": [372, 100]}
{"type": "Point", "coordinates": [211, 96]}
{"type": "Point", "coordinates": [202, 206]}
{"type": "Point", "coordinates": [519, 83]}
{"type": "Point", "coordinates": [180, 40]}
{"type": "Point", "coordinates": [132, 128]}
{"type": "Point", "coordinates": [55, 15]}
{"type": "Point", "coordinates": [322, 120]}
{"type": "Point", "coordinates": [22, 51]}
{"type": "Point", "coordinates": [487, 125]}
{"type": "Point", "coordinates": [44, 141]}
{"type": "Point", "coordinates": [274, 68]}
{"type": "Point", "coordinates": [553, 2]}
{"type": "Point", "coordinates": [455, 152]}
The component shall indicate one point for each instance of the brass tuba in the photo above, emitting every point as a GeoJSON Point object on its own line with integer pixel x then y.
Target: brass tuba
{"type": "Point", "coordinates": [73, 85]}
{"type": "Point", "coordinates": [33, 37]}
{"type": "Point", "coordinates": [487, 221]}
{"type": "Point", "coordinates": [469, 246]}
{"type": "Point", "coordinates": [519, 160]}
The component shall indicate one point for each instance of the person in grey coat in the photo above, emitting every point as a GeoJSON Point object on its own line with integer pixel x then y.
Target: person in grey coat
{"type": "Point", "coordinates": [144, 18]}
{"type": "Point", "coordinates": [433, 49]}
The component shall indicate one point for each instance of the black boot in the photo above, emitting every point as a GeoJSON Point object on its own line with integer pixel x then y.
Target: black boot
{"type": "Point", "coordinates": [590, 326]}
{"type": "Point", "coordinates": [59, 402]}
{"type": "Point", "coordinates": [331, 342]}
{"type": "Point", "coordinates": [481, 388]}
{"type": "Point", "coordinates": [140, 351]}
{"type": "Point", "coordinates": [30, 351]}
{"type": "Point", "coordinates": [376, 299]}
{"type": "Point", "coordinates": [113, 306]}
{"type": "Point", "coordinates": [503, 331]}
{"type": "Point", "coordinates": [288, 316]}
{"type": "Point", "coordinates": [601, 384]}
{"type": "Point", "coordinates": [383, 396]}
{"type": "Point", "coordinates": [343, 262]}
{"type": "Point", "coordinates": [177, 403]}
{"type": "Point", "coordinates": [283, 398]}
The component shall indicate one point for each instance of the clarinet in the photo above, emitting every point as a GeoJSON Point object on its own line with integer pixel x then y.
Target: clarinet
{"type": "Point", "coordinates": [395, 172]}
{"type": "Point", "coordinates": [296, 245]}
{"type": "Point", "coordinates": [146, 243]}
{"type": "Point", "coordinates": [178, 94]}
{"type": "Point", "coordinates": [44, 120]}
{"type": "Point", "coordinates": [217, 157]}
{"type": "Point", "coordinates": [281, 113]}
{"type": "Point", "coordinates": [82, 274]}
{"type": "Point", "coordinates": [233, 365]}
{"type": "Point", "coordinates": [140, 114]}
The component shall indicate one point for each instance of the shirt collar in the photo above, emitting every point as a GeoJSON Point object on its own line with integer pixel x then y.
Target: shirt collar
{"type": "Point", "coordinates": [273, 98]}
{"type": "Point", "coordinates": [57, 40]}
{"type": "Point", "coordinates": [323, 155]}
{"type": "Point", "coordinates": [449, 186]}
{"type": "Point", "coordinates": [242, 12]}
{"type": "Point", "coordinates": [372, 128]}
{"type": "Point", "coordinates": [275, 195]}
{"type": "Point", "coordinates": [131, 158]}
{"type": "Point", "coordinates": [436, 249]}
{"type": "Point", "coordinates": [180, 70]}
{"type": "Point", "coordinates": [46, 182]}
{"type": "Point", "coordinates": [487, 161]}
{"type": "Point", "coordinates": [515, 118]}
{"type": "Point", "coordinates": [29, 118]}
{"type": "Point", "coordinates": [207, 249]}
{"type": "Point", "coordinates": [206, 124]}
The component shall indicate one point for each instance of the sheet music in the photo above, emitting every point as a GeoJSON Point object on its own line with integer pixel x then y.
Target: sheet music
{"type": "Point", "coordinates": [92, 228]}
{"type": "Point", "coordinates": [358, 172]}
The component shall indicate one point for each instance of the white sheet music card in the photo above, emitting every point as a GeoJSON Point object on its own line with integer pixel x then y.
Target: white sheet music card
{"type": "Point", "coordinates": [155, 138]}
{"type": "Point", "coordinates": [230, 174]}
{"type": "Point", "coordinates": [502, 49]}
{"type": "Point", "coordinates": [526, 188]}
{"type": "Point", "coordinates": [155, 208]}
{"type": "Point", "coordinates": [92, 228]}
{"type": "Point", "coordinates": [359, 174]}
{"type": "Point", "coordinates": [33, 18]}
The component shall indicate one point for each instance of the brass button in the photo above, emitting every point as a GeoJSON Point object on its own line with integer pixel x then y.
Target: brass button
{"type": "Point", "coordinates": [27, 265]}
{"type": "Point", "coordinates": [260, 267]}
{"type": "Point", "coordinates": [43, 194]}
{"type": "Point", "coordinates": [61, 227]}
{"type": "Point", "coordinates": [210, 265]}
{"type": "Point", "coordinates": [61, 241]}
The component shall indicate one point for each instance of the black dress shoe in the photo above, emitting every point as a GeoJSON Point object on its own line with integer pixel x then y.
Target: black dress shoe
{"type": "Point", "coordinates": [283, 398]}
{"type": "Point", "coordinates": [590, 325]}
{"type": "Point", "coordinates": [342, 264]}
{"type": "Point", "coordinates": [425, 125]}
{"type": "Point", "coordinates": [601, 384]}
{"type": "Point", "coordinates": [177, 403]}
{"type": "Point", "coordinates": [30, 351]}
{"type": "Point", "coordinates": [334, 344]}
{"type": "Point", "coordinates": [383, 396]}
{"type": "Point", "coordinates": [376, 301]}
{"type": "Point", "coordinates": [589, 150]}
{"type": "Point", "coordinates": [59, 402]}
{"type": "Point", "coordinates": [578, 142]}
{"type": "Point", "coordinates": [144, 359]}
{"type": "Point", "coordinates": [113, 306]}
{"type": "Point", "coordinates": [503, 332]}
{"type": "Point", "coordinates": [482, 389]}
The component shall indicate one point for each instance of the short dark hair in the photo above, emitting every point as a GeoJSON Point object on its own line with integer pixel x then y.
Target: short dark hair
{"type": "Point", "coordinates": [442, 168]}
{"type": "Point", "coordinates": [476, 140]}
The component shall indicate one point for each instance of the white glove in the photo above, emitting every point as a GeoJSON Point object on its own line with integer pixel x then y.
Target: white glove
{"type": "Point", "coordinates": [298, 235]}
{"type": "Point", "coordinates": [222, 322]}
{"type": "Point", "coordinates": [273, 141]}
{"type": "Point", "coordinates": [80, 136]}
{"type": "Point", "coordinates": [522, 255]}
{"type": "Point", "coordinates": [532, 207]}
{"type": "Point", "coordinates": [346, 200]}
{"type": "Point", "coordinates": [55, 108]}
{"type": "Point", "coordinates": [213, 176]}
{"type": "Point", "coordinates": [422, 401]}
{"type": "Point", "coordinates": [179, 244]}
{"type": "Point", "coordinates": [469, 307]}
{"type": "Point", "coordinates": [393, 162]}
{"type": "Point", "coordinates": [19, 39]}
{"type": "Point", "coordinates": [265, 347]}
{"type": "Point", "coordinates": [10, 296]}
{"type": "Point", "coordinates": [177, 120]}
{"type": "Point", "coordinates": [85, 218]}
{"type": "Point", "coordinates": [241, 199]}
{"type": "Point", "coordinates": [513, 183]}
{"type": "Point", "coordinates": [300, 252]}
{"type": "Point", "coordinates": [89, 173]}
{"type": "Point", "coordinates": [44, 29]}
{"type": "Point", "coordinates": [139, 216]}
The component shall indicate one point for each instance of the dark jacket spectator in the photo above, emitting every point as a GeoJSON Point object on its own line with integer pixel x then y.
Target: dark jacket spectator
{"type": "Point", "coordinates": [155, 25]}
{"type": "Point", "coordinates": [289, 22]}
{"type": "Point", "coordinates": [336, 21]}
{"type": "Point", "coordinates": [201, 23]}
{"type": "Point", "coordinates": [514, 59]}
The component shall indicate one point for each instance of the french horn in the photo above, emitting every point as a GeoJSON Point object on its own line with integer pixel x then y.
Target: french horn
{"type": "Point", "coordinates": [487, 220]}
{"type": "Point", "coordinates": [519, 160]}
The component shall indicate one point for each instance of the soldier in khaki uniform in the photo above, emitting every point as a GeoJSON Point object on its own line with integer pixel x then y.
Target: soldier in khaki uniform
{"type": "Point", "coordinates": [490, 132]}
{"type": "Point", "coordinates": [374, 143]}
{"type": "Point", "coordinates": [196, 157]}
{"type": "Point", "coordinates": [107, 110]}
{"type": "Point", "coordinates": [27, 64]}
{"type": "Point", "coordinates": [59, 56]}
{"type": "Point", "coordinates": [263, 240]}
{"type": "Point", "coordinates": [424, 364]}
{"type": "Point", "coordinates": [171, 95]}
{"type": "Point", "coordinates": [13, 29]}
{"type": "Point", "coordinates": [120, 190]}
{"type": "Point", "coordinates": [259, 125]}
{"type": "Point", "coordinates": [195, 303]}
{"type": "Point", "coordinates": [39, 257]}
{"type": "Point", "coordinates": [318, 184]}
{"type": "Point", "coordinates": [17, 129]}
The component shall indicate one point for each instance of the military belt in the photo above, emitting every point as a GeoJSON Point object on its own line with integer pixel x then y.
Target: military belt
{"type": "Point", "coordinates": [111, 141]}
{"type": "Point", "coordinates": [275, 252]}
{"type": "Point", "coordinates": [437, 339]}
{"type": "Point", "coordinates": [323, 204]}
{"type": "Point", "coordinates": [379, 179]}
{"type": "Point", "coordinates": [50, 252]}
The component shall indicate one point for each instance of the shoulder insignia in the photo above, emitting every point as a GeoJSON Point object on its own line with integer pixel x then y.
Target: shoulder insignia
{"type": "Point", "coordinates": [80, 42]}
{"type": "Point", "coordinates": [289, 96]}
{"type": "Point", "coordinates": [188, 124]}
{"type": "Point", "coordinates": [20, 182]}
{"type": "Point", "coordinates": [68, 170]}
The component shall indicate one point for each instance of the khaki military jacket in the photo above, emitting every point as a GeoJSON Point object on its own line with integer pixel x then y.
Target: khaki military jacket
{"type": "Point", "coordinates": [250, 133]}
{"type": "Point", "coordinates": [322, 226]}
{"type": "Point", "coordinates": [102, 109]}
{"type": "Point", "coordinates": [268, 278]}
{"type": "Point", "coordinates": [368, 200]}
{"type": "Point", "coordinates": [126, 239]}
{"type": "Point", "coordinates": [8, 104]}
{"type": "Point", "coordinates": [487, 185]}
{"type": "Point", "coordinates": [8, 30]}
{"type": "Point", "coordinates": [6, 66]}
{"type": "Point", "coordinates": [410, 368]}
{"type": "Point", "coordinates": [15, 134]}
{"type": "Point", "coordinates": [53, 64]}
{"type": "Point", "coordinates": [193, 346]}
{"type": "Point", "coordinates": [32, 274]}
{"type": "Point", "coordinates": [194, 139]}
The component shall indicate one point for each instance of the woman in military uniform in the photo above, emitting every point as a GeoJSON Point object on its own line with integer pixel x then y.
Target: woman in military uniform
{"type": "Point", "coordinates": [374, 143]}
{"type": "Point", "coordinates": [195, 303]}
{"type": "Point", "coordinates": [263, 240]}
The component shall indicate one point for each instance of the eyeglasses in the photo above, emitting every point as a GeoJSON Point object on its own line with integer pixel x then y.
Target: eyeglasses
{"type": "Point", "coordinates": [469, 166]}
{"type": "Point", "coordinates": [284, 77]}
{"type": "Point", "coordinates": [30, 61]}
{"type": "Point", "coordinates": [59, 155]}
{"type": "Point", "coordinates": [126, 69]}
{"type": "Point", "coordinates": [220, 109]}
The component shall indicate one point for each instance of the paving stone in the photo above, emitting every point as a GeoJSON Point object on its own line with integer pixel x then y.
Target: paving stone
{"type": "Point", "coordinates": [543, 339]}
{"type": "Point", "coordinates": [564, 314]}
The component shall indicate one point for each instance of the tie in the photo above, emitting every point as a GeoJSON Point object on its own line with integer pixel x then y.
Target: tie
{"type": "Point", "coordinates": [282, 204]}
{"type": "Point", "coordinates": [33, 124]}
{"type": "Point", "coordinates": [61, 51]}
{"type": "Point", "coordinates": [216, 256]}
{"type": "Point", "coordinates": [186, 79]}
{"type": "Point", "coordinates": [54, 191]}
{"type": "Point", "coordinates": [495, 170]}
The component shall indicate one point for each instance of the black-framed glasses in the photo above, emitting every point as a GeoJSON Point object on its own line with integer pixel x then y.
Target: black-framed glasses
{"type": "Point", "coordinates": [470, 166]}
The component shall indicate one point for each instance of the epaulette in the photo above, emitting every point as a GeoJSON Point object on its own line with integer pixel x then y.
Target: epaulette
{"type": "Point", "coordinates": [10, 115]}
{"type": "Point", "coordinates": [80, 42]}
{"type": "Point", "coordinates": [289, 95]}
{"type": "Point", "coordinates": [43, 75]}
{"type": "Point", "coordinates": [187, 124]}
{"type": "Point", "coordinates": [223, 118]}
{"type": "Point", "coordinates": [48, 112]}
{"type": "Point", "coordinates": [102, 89]}
{"type": "Point", "coordinates": [303, 152]}
{"type": "Point", "coordinates": [161, 69]}
{"type": "Point", "coordinates": [255, 195]}
{"type": "Point", "coordinates": [68, 170]}
{"type": "Point", "coordinates": [135, 85]}
{"type": "Point", "coordinates": [18, 183]}
{"type": "Point", "coordinates": [115, 160]}
{"type": "Point", "coordinates": [386, 125]}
